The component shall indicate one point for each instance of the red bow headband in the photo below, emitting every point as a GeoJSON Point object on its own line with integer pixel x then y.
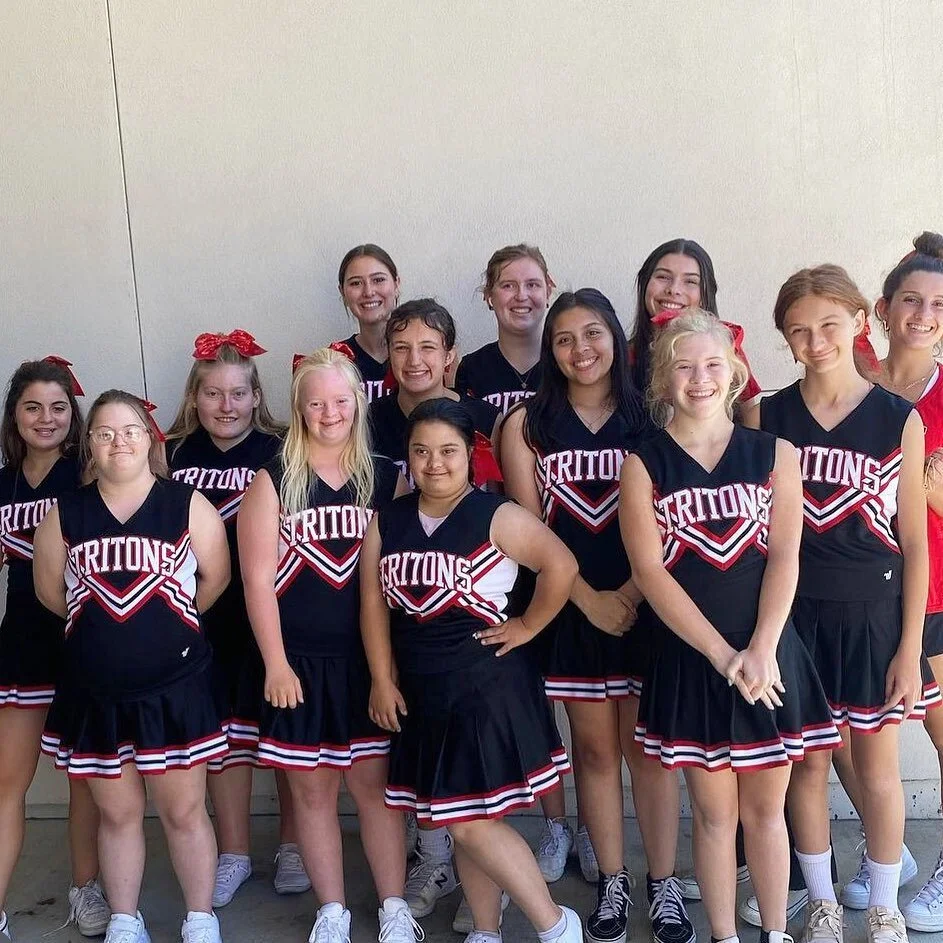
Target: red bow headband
{"type": "Point", "coordinates": [342, 347]}
{"type": "Point", "coordinates": [66, 364]}
{"type": "Point", "coordinates": [206, 346]}
{"type": "Point", "coordinates": [485, 466]}
{"type": "Point", "coordinates": [151, 407]}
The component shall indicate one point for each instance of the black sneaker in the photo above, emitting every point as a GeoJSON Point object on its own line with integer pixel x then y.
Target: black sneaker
{"type": "Point", "coordinates": [670, 922]}
{"type": "Point", "coordinates": [609, 922]}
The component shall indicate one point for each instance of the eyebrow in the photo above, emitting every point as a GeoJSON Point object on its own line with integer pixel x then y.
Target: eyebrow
{"type": "Point", "coordinates": [36, 402]}
{"type": "Point", "coordinates": [661, 268]}
{"type": "Point", "coordinates": [368, 275]}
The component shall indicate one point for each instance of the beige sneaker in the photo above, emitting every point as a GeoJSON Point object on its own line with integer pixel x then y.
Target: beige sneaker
{"type": "Point", "coordinates": [824, 923]}
{"type": "Point", "coordinates": [886, 926]}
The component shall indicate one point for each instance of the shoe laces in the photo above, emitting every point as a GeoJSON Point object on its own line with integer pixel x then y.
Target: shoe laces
{"type": "Point", "coordinates": [121, 936]}
{"type": "Point", "coordinates": [198, 935]}
{"type": "Point", "coordinates": [550, 839]}
{"type": "Point", "coordinates": [864, 874]}
{"type": "Point", "coordinates": [89, 901]}
{"type": "Point", "coordinates": [615, 897]}
{"type": "Point", "coordinates": [932, 891]}
{"type": "Point", "coordinates": [328, 928]}
{"type": "Point", "coordinates": [667, 902]}
{"type": "Point", "coordinates": [226, 872]}
{"type": "Point", "coordinates": [478, 936]}
{"type": "Point", "coordinates": [885, 924]}
{"type": "Point", "coordinates": [826, 916]}
{"type": "Point", "coordinates": [289, 860]}
{"type": "Point", "coordinates": [400, 927]}
{"type": "Point", "coordinates": [421, 873]}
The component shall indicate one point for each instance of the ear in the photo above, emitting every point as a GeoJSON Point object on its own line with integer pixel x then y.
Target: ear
{"type": "Point", "coordinates": [449, 358]}
{"type": "Point", "coordinates": [861, 316]}
{"type": "Point", "coordinates": [880, 309]}
{"type": "Point", "coordinates": [256, 398]}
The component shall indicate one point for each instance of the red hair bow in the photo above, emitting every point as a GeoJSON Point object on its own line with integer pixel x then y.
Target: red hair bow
{"type": "Point", "coordinates": [342, 347]}
{"type": "Point", "coordinates": [296, 361]}
{"type": "Point", "coordinates": [752, 388]}
{"type": "Point", "coordinates": [66, 364]}
{"type": "Point", "coordinates": [151, 407]}
{"type": "Point", "coordinates": [206, 346]}
{"type": "Point", "coordinates": [866, 360]}
{"type": "Point", "coordinates": [484, 465]}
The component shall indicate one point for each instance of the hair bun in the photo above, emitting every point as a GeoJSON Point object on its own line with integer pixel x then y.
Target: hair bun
{"type": "Point", "coordinates": [929, 243]}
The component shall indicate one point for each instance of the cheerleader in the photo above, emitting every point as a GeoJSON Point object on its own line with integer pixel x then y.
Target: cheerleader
{"type": "Point", "coordinates": [130, 561]}
{"type": "Point", "coordinates": [562, 451]}
{"type": "Point", "coordinates": [863, 575]}
{"type": "Point", "coordinates": [222, 434]}
{"type": "Point", "coordinates": [711, 516]}
{"type": "Point", "coordinates": [911, 310]}
{"type": "Point", "coordinates": [517, 289]}
{"type": "Point", "coordinates": [300, 532]}
{"type": "Point", "coordinates": [39, 439]}
{"type": "Point", "coordinates": [368, 283]}
{"type": "Point", "coordinates": [475, 735]}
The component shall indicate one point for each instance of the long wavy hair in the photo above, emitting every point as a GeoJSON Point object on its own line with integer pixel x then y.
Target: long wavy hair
{"type": "Point", "coordinates": [187, 421]}
{"type": "Point", "coordinates": [12, 446]}
{"type": "Point", "coordinates": [298, 478]}
{"type": "Point", "coordinates": [156, 453]}
{"type": "Point", "coordinates": [544, 409]}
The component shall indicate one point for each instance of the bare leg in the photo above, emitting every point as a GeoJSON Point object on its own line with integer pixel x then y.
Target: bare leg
{"type": "Point", "coordinates": [481, 893]}
{"type": "Point", "coordinates": [844, 764]}
{"type": "Point", "coordinates": [287, 829]}
{"type": "Point", "coordinates": [231, 792]}
{"type": "Point", "coordinates": [876, 760]}
{"type": "Point", "coordinates": [83, 833]}
{"type": "Point", "coordinates": [807, 797]}
{"type": "Point", "coordinates": [180, 798]}
{"type": "Point", "coordinates": [934, 719]}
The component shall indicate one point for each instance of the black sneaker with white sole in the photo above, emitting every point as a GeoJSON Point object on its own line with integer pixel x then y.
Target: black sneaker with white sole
{"type": "Point", "coordinates": [670, 922]}
{"type": "Point", "coordinates": [609, 922]}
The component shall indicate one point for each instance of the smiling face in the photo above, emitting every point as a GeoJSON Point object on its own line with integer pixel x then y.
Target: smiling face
{"type": "Point", "coordinates": [821, 333]}
{"type": "Point", "coordinates": [225, 402]}
{"type": "Point", "coordinates": [438, 459]}
{"type": "Point", "coordinates": [700, 376]}
{"type": "Point", "coordinates": [369, 290]}
{"type": "Point", "coordinates": [125, 457]}
{"type": "Point", "coordinates": [43, 416]}
{"type": "Point", "coordinates": [675, 284]}
{"type": "Point", "coordinates": [418, 357]}
{"type": "Point", "coordinates": [519, 297]}
{"type": "Point", "coordinates": [914, 315]}
{"type": "Point", "coordinates": [329, 406]}
{"type": "Point", "coordinates": [582, 346]}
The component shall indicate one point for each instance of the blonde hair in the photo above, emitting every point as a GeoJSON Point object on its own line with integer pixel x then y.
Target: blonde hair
{"type": "Point", "coordinates": [156, 454]}
{"type": "Point", "coordinates": [186, 422]}
{"type": "Point", "coordinates": [691, 322]}
{"type": "Point", "coordinates": [356, 462]}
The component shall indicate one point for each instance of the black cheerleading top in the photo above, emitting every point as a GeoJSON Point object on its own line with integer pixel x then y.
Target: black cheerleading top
{"type": "Point", "coordinates": [486, 374]}
{"type": "Point", "coordinates": [132, 625]}
{"type": "Point", "coordinates": [444, 587]}
{"type": "Point", "coordinates": [222, 477]}
{"type": "Point", "coordinates": [317, 581]}
{"type": "Point", "coordinates": [22, 509]}
{"type": "Point", "coordinates": [388, 427]}
{"type": "Point", "coordinates": [374, 373]}
{"type": "Point", "coordinates": [578, 486]}
{"type": "Point", "coordinates": [714, 525]}
{"type": "Point", "coordinates": [850, 477]}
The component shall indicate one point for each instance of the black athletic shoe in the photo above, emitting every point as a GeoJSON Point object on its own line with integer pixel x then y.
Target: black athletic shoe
{"type": "Point", "coordinates": [609, 922]}
{"type": "Point", "coordinates": [670, 923]}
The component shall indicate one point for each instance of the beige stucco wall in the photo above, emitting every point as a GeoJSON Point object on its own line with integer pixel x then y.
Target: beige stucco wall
{"type": "Point", "coordinates": [169, 167]}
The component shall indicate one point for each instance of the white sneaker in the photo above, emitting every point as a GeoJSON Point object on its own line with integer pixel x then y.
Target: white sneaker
{"type": "Point", "coordinates": [573, 931]}
{"type": "Point", "coordinates": [824, 922]}
{"type": "Point", "coordinates": [856, 894]}
{"type": "Point", "coordinates": [123, 928]}
{"type": "Point", "coordinates": [89, 909]}
{"type": "Point", "coordinates": [480, 936]}
{"type": "Point", "coordinates": [290, 874]}
{"type": "Point", "coordinates": [464, 922]}
{"type": "Point", "coordinates": [412, 835]}
{"type": "Point", "coordinates": [796, 901]}
{"type": "Point", "coordinates": [5, 926]}
{"type": "Point", "coordinates": [332, 925]}
{"type": "Point", "coordinates": [925, 911]}
{"type": "Point", "coordinates": [556, 841]}
{"type": "Point", "coordinates": [587, 855]}
{"type": "Point", "coordinates": [397, 924]}
{"type": "Point", "coordinates": [426, 883]}
{"type": "Point", "coordinates": [690, 889]}
{"type": "Point", "coordinates": [200, 928]}
{"type": "Point", "coordinates": [886, 926]}
{"type": "Point", "coordinates": [232, 871]}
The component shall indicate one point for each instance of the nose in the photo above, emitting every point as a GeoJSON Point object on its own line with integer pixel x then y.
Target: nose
{"type": "Point", "coordinates": [700, 373]}
{"type": "Point", "coordinates": [413, 358]}
{"type": "Point", "coordinates": [520, 292]}
{"type": "Point", "coordinates": [817, 341]}
{"type": "Point", "coordinates": [227, 403]}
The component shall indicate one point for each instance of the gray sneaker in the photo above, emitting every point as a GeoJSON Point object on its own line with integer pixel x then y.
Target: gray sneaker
{"type": "Point", "coordinates": [290, 874]}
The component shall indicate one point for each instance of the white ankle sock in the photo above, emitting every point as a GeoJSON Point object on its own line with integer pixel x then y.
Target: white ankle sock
{"type": "Point", "coordinates": [817, 871]}
{"type": "Point", "coordinates": [547, 936]}
{"type": "Point", "coordinates": [435, 844]}
{"type": "Point", "coordinates": [885, 882]}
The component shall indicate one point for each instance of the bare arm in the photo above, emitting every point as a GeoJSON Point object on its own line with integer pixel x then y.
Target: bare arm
{"type": "Point", "coordinates": [903, 676]}
{"type": "Point", "coordinates": [49, 561]}
{"type": "Point", "coordinates": [385, 697]}
{"type": "Point", "coordinates": [750, 414]}
{"type": "Point", "coordinates": [518, 464]}
{"type": "Point", "coordinates": [529, 542]}
{"type": "Point", "coordinates": [208, 540]}
{"type": "Point", "coordinates": [257, 528]}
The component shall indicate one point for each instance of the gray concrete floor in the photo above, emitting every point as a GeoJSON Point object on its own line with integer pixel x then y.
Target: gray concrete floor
{"type": "Point", "coordinates": [38, 904]}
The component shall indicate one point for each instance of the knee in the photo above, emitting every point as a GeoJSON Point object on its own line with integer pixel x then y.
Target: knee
{"type": "Point", "coordinates": [599, 756]}
{"type": "Point", "coordinates": [814, 768]}
{"type": "Point", "coordinates": [468, 834]}
{"type": "Point", "coordinates": [183, 814]}
{"type": "Point", "coordinates": [119, 815]}
{"type": "Point", "coordinates": [718, 820]}
{"type": "Point", "coordinates": [365, 788]}
{"type": "Point", "coordinates": [762, 817]}
{"type": "Point", "coordinates": [880, 784]}
{"type": "Point", "coordinates": [314, 790]}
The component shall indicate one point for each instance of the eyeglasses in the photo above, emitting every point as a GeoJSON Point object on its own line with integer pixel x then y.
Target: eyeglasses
{"type": "Point", "coordinates": [105, 435]}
